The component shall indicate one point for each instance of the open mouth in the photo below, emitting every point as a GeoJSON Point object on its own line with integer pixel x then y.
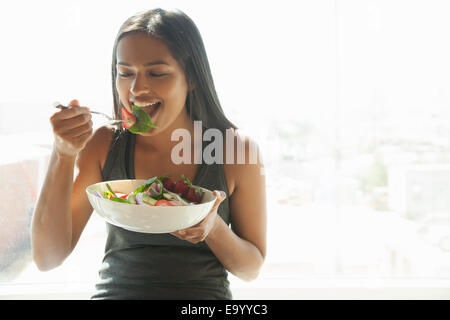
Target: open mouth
{"type": "Point", "coordinates": [150, 108]}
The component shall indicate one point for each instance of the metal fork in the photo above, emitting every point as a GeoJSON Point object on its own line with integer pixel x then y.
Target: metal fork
{"type": "Point", "coordinates": [112, 121]}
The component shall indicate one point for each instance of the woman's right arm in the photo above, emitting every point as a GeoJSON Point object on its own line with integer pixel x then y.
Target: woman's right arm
{"type": "Point", "coordinates": [62, 209]}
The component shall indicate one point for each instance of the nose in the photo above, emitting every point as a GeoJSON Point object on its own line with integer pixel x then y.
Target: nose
{"type": "Point", "coordinates": [139, 86]}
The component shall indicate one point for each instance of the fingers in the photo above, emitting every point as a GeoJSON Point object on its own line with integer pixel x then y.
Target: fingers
{"type": "Point", "coordinates": [193, 235]}
{"type": "Point", "coordinates": [69, 118]}
{"type": "Point", "coordinates": [72, 127]}
{"type": "Point", "coordinates": [70, 112]}
{"type": "Point", "coordinates": [200, 231]}
{"type": "Point", "coordinates": [74, 131]}
{"type": "Point", "coordinates": [65, 125]}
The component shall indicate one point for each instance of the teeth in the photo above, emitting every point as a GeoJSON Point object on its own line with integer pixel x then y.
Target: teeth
{"type": "Point", "coordinates": [146, 105]}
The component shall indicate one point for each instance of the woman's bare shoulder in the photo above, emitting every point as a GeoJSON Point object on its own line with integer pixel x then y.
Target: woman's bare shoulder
{"type": "Point", "coordinates": [103, 134]}
{"type": "Point", "coordinates": [244, 149]}
{"type": "Point", "coordinates": [97, 147]}
{"type": "Point", "coordinates": [244, 154]}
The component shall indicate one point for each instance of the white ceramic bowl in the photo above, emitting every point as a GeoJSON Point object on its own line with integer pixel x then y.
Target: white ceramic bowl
{"type": "Point", "coordinates": [144, 218]}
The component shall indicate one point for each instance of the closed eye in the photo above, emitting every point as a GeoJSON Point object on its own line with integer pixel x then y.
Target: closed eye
{"type": "Point", "coordinates": [157, 74]}
{"type": "Point", "coordinates": [126, 75]}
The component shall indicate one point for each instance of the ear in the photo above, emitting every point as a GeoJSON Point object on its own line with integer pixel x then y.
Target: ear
{"type": "Point", "coordinates": [191, 85]}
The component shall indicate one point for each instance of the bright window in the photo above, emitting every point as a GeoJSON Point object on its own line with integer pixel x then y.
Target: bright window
{"type": "Point", "coordinates": [348, 100]}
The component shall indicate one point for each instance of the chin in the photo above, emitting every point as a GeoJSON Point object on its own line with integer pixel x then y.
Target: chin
{"type": "Point", "coordinates": [154, 131]}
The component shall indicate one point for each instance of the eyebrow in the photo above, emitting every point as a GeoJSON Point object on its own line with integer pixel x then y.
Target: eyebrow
{"type": "Point", "coordinates": [145, 65]}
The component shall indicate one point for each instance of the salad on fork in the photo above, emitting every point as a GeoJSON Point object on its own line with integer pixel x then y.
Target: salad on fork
{"type": "Point", "coordinates": [138, 121]}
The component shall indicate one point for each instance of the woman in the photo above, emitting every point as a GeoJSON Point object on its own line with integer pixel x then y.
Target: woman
{"type": "Point", "coordinates": [159, 63]}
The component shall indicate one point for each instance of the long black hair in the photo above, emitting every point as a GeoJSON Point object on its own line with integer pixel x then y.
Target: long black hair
{"type": "Point", "coordinates": [184, 41]}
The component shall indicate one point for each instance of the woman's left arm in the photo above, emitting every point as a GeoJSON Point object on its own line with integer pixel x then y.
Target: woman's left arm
{"type": "Point", "coordinates": [242, 248]}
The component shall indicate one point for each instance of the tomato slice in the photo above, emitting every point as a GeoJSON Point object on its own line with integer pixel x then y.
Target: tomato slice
{"type": "Point", "coordinates": [163, 203]}
{"type": "Point", "coordinates": [121, 194]}
{"type": "Point", "coordinates": [127, 116]}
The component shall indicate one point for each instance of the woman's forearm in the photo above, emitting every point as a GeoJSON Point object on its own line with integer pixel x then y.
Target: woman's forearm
{"type": "Point", "coordinates": [239, 256]}
{"type": "Point", "coordinates": [51, 226]}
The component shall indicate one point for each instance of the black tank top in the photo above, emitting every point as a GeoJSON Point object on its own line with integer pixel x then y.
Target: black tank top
{"type": "Point", "coordinates": [159, 266]}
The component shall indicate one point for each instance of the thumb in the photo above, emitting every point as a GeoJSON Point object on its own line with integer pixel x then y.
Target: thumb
{"type": "Point", "coordinates": [221, 195]}
{"type": "Point", "coordinates": [74, 103]}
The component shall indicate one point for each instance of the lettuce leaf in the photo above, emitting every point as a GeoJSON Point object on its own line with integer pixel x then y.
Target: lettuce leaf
{"type": "Point", "coordinates": [145, 185]}
{"type": "Point", "coordinates": [120, 200]}
{"type": "Point", "coordinates": [143, 121]}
